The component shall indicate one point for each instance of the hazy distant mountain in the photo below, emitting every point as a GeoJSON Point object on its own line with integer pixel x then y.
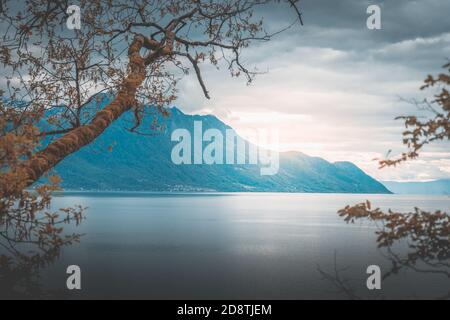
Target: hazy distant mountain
{"type": "Point", "coordinates": [138, 162]}
{"type": "Point", "coordinates": [429, 187]}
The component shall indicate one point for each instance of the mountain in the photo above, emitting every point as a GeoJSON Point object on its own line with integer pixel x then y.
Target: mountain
{"type": "Point", "coordinates": [143, 163]}
{"type": "Point", "coordinates": [438, 187]}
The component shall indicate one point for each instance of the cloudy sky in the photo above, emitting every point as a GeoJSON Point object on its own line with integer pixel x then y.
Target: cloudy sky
{"type": "Point", "coordinates": [333, 87]}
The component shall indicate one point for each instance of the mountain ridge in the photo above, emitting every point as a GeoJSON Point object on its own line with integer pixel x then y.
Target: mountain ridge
{"type": "Point", "coordinates": [143, 163]}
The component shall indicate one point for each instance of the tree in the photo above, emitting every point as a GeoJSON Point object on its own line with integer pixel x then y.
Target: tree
{"type": "Point", "coordinates": [130, 48]}
{"type": "Point", "coordinates": [419, 132]}
{"type": "Point", "coordinates": [426, 234]}
{"type": "Point", "coordinates": [56, 78]}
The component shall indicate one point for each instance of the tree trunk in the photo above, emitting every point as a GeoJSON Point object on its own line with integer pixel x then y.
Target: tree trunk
{"type": "Point", "coordinates": [41, 162]}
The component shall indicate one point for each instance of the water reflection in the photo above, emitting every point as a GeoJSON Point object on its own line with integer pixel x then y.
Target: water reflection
{"type": "Point", "coordinates": [233, 246]}
{"type": "Point", "coordinates": [417, 241]}
{"type": "Point", "coordinates": [31, 238]}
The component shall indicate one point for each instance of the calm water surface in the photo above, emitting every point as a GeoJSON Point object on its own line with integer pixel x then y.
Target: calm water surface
{"type": "Point", "coordinates": [230, 246]}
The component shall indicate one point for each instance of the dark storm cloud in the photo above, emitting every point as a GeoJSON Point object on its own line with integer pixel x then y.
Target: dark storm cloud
{"type": "Point", "coordinates": [401, 19]}
{"type": "Point", "coordinates": [413, 32]}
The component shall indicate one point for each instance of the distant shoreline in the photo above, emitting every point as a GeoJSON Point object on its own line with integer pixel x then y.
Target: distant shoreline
{"type": "Point", "coordinates": [112, 192]}
{"type": "Point", "coordinates": [115, 193]}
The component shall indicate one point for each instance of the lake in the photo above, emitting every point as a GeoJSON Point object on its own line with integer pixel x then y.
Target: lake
{"type": "Point", "coordinates": [230, 246]}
